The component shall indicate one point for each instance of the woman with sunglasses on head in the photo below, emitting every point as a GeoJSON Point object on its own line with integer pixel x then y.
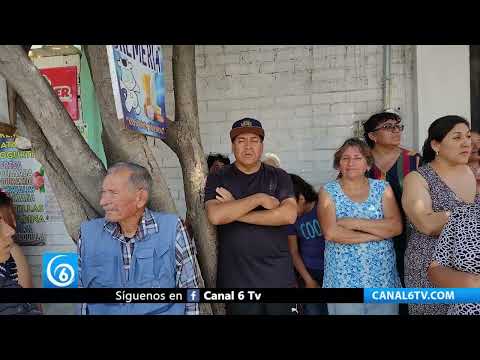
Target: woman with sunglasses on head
{"type": "Point", "coordinates": [382, 133]}
{"type": "Point", "coordinates": [444, 183]}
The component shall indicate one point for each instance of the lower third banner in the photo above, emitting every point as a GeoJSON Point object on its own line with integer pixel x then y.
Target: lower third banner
{"type": "Point", "coordinates": [295, 295]}
{"type": "Point", "coordinates": [70, 295]}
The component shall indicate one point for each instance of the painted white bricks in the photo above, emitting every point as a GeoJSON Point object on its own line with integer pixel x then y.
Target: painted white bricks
{"type": "Point", "coordinates": [291, 101]}
{"type": "Point", "coordinates": [374, 106]}
{"type": "Point", "coordinates": [343, 108]}
{"type": "Point", "coordinates": [302, 122]}
{"type": "Point", "coordinates": [364, 95]}
{"type": "Point", "coordinates": [252, 103]}
{"type": "Point", "coordinates": [242, 69]}
{"type": "Point", "coordinates": [360, 107]}
{"type": "Point", "coordinates": [329, 98]}
{"type": "Point", "coordinates": [304, 111]}
{"type": "Point", "coordinates": [258, 56]}
{"type": "Point", "coordinates": [220, 116]}
{"type": "Point", "coordinates": [270, 67]}
{"type": "Point", "coordinates": [222, 59]}
{"type": "Point", "coordinates": [307, 97]}
{"type": "Point", "coordinates": [329, 74]}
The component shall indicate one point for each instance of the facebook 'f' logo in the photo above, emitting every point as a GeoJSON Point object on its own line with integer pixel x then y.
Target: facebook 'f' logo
{"type": "Point", "coordinates": [193, 295]}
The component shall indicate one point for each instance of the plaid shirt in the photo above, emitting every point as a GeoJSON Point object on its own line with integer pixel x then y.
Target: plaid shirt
{"type": "Point", "coordinates": [185, 259]}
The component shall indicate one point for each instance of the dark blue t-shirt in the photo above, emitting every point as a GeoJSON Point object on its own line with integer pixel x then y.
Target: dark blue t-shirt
{"type": "Point", "coordinates": [252, 256]}
{"type": "Point", "coordinates": [311, 242]}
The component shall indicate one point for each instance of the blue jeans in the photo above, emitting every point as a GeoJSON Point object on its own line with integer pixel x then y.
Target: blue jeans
{"type": "Point", "coordinates": [315, 309]}
{"type": "Point", "coordinates": [362, 309]}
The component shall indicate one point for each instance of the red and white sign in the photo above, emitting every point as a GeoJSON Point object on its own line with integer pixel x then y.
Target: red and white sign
{"type": "Point", "coordinates": [64, 82]}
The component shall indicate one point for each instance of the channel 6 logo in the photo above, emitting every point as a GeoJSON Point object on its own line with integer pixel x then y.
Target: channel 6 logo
{"type": "Point", "coordinates": [60, 270]}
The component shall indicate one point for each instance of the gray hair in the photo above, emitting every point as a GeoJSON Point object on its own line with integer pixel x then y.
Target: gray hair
{"type": "Point", "coordinates": [139, 177]}
{"type": "Point", "coordinates": [273, 157]}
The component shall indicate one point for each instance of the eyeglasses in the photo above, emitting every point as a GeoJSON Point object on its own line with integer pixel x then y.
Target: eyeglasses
{"type": "Point", "coordinates": [390, 127]}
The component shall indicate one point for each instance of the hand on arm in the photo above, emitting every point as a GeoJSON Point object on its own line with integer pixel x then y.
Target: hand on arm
{"type": "Point", "coordinates": [417, 204]}
{"type": "Point", "coordinates": [442, 276]}
{"type": "Point", "coordinates": [330, 227]}
{"type": "Point", "coordinates": [388, 227]}
{"type": "Point", "coordinates": [298, 263]}
{"type": "Point", "coordinates": [221, 207]}
{"type": "Point", "coordinates": [279, 212]}
{"type": "Point", "coordinates": [223, 195]}
{"type": "Point", "coordinates": [266, 201]}
{"type": "Point", "coordinates": [284, 214]}
{"type": "Point", "coordinates": [441, 271]}
{"type": "Point", "coordinates": [224, 211]}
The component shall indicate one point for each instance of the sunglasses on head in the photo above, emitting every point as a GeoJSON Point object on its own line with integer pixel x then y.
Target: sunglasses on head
{"type": "Point", "coordinates": [390, 127]}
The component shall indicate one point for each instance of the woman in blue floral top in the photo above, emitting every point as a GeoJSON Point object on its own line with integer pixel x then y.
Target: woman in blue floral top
{"type": "Point", "coordinates": [359, 216]}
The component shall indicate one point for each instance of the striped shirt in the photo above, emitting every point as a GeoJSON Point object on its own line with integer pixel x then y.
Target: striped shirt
{"type": "Point", "coordinates": [8, 269]}
{"type": "Point", "coordinates": [186, 266]}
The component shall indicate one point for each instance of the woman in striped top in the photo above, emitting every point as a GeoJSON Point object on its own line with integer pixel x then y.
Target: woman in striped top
{"type": "Point", "coordinates": [392, 163]}
{"type": "Point", "coordinates": [13, 263]}
{"type": "Point", "coordinates": [10, 276]}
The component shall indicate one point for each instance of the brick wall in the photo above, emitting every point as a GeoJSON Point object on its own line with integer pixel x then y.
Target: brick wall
{"type": "Point", "coordinates": [307, 98]}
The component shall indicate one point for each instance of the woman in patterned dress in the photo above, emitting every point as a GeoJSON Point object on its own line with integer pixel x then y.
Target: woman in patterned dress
{"type": "Point", "coordinates": [456, 259]}
{"type": "Point", "coordinates": [430, 194]}
{"type": "Point", "coordinates": [358, 216]}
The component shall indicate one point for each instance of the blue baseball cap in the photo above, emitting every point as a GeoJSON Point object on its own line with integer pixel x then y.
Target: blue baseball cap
{"type": "Point", "coordinates": [247, 125]}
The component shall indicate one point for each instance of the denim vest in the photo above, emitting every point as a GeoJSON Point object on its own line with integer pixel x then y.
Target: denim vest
{"type": "Point", "coordinates": [152, 266]}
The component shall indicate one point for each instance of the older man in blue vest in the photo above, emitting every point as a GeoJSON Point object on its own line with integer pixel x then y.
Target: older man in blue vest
{"type": "Point", "coordinates": [135, 247]}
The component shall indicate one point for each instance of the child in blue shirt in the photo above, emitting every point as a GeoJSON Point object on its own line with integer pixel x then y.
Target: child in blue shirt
{"type": "Point", "coordinates": [306, 242]}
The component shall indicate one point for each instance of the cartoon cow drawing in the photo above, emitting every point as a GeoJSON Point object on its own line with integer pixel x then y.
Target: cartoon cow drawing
{"type": "Point", "coordinates": [129, 84]}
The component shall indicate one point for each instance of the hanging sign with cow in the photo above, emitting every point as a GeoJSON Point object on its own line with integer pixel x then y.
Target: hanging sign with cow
{"type": "Point", "coordinates": [138, 87]}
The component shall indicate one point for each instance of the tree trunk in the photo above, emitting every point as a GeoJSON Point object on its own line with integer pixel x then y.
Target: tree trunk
{"type": "Point", "coordinates": [120, 143]}
{"type": "Point", "coordinates": [75, 209]}
{"type": "Point", "coordinates": [188, 148]}
{"type": "Point", "coordinates": [54, 122]}
{"type": "Point", "coordinates": [12, 108]}
{"type": "Point", "coordinates": [74, 170]}
{"type": "Point", "coordinates": [123, 144]}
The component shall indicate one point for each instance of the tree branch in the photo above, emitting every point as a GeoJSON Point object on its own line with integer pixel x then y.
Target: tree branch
{"type": "Point", "coordinates": [185, 87]}
{"type": "Point", "coordinates": [122, 144]}
{"type": "Point", "coordinates": [54, 121]}
{"type": "Point", "coordinates": [12, 109]}
{"type": "Point", "coordinates": [183, 137]}
{"type": "Point", "coordinates": [74, 207]}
